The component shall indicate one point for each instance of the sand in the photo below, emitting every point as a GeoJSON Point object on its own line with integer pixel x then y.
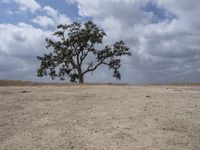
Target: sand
{"type": "Point", "coordinates": [100, 117]}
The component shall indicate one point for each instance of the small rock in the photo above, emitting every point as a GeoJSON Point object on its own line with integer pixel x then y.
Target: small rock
{"type": "Point", "coordinates": [25, 91]}
{"type": "Point", "coordinates": [72, 147]}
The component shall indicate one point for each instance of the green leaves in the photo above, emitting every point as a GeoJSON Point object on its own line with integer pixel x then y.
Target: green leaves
{"type": "Point", "coordinates": [120, 49]}
{"type": "Point", "coordinates": [72, 46]}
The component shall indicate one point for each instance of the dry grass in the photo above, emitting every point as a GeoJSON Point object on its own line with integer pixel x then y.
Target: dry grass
{"type": "Point", "coordinates": [174, 84]}
{"type": "Point", "coordinates": [29, 83]}
{"type": "Point", "coordinates": [18, 83]}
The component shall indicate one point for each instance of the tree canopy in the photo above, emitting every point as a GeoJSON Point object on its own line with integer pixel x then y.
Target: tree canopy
{"type": "Point", "coordinates": [72, 48]}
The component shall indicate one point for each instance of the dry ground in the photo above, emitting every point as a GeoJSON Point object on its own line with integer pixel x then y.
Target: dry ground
{"type": "Point", "coordinates": [100, 117]}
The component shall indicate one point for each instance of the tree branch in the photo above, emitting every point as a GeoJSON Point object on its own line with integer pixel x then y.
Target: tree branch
{"type": "Point", "coordinates": [84, 55]}
{"type": "Point", "coordinates": [95, 67]}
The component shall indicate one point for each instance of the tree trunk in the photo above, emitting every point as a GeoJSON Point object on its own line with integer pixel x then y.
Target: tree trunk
{"type": "Point", "coordinates": [80, 73]}
{"type": "Point", "coordinates": [81, 80]}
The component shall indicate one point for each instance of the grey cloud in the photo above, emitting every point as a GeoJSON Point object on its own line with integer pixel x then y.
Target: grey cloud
{"type": "Point", "coordinates": [18, 50]}
{"type": "Point", "coordinates": [166, 51]}
{"type": "Point", "coordinates": [8, 63]}
{"type": "Point", "coordinates": [24, 5]}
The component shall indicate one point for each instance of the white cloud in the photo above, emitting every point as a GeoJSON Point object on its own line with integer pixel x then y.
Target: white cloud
{"type": "Point", "coordinates": [52, 18]}
{"type": "Point", "coordinates": [5, 1]}
{"type": "Point", "coordinates": [23, 42]}
{"type": "Point", "coordinates": [159, 48]}
{"type": "Point", "coordinates": [63, 19]}
{"type": "Point", "coordinates": [24, 5]}
{"type": "Point", "coordinates": [9, 12]}
{"type": "Point", "coordinates": [51, 12]}
{"type": "Point", "coordinates": [21, 39]}
{"type": "Point", "coordinates": [43, 21]}
{"type": "Point", "coordinates": [58, 17]}
{"type": "Point", "coordinates": [164, 51]}
{"type": "Point", "coordinates": [18, 50]}
{"type": "Point", "coordinates": [70, 2]}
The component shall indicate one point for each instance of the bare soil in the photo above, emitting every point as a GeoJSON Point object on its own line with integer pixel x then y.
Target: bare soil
{"type": "Point", "coordinates": [100, 117]}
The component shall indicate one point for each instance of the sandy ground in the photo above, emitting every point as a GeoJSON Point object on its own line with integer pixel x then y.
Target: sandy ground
{"type": "Point", "coordinates": [100, 117]}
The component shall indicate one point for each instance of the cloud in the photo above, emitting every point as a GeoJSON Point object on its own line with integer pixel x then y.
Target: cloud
{"type": "Point", "coordinates": [18, 50]}
{"type": "Point", "coordinates": [24, 5]}
{"type": "Point", "coordinates": [23, 42]}
{"type": "Point", "coordinates": [70, 2]}
{"type": "Point", "coordinates": [9, 12]}
{"type": "Point", "coordinates": [43, 21]}
{"type": "Point", "coordinates": [51, 12]}
{"type": "Point", "coordinates": [163, 35]}
{"type": "Point", "coordinates": [165, 50]}
{"type": "Point", "coordinates": [58, 17]}
{"type": "Point", "coordinates": [52, 18]}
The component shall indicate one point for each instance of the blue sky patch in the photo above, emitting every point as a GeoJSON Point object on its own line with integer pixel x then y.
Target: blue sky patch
{"type": "Point", "coordinates": [70, 10]}
{"type": "Point", "coordinates": [159, 14]}
{"type": "Point", "coordinates": [10, 12]}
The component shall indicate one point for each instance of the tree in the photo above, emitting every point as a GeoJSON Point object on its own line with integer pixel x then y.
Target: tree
{"type": "Point", "coordinates": [76, 44]}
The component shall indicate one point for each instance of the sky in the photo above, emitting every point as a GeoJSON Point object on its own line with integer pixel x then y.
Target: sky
{"type": "Point", "coordinates": [163, 36]}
